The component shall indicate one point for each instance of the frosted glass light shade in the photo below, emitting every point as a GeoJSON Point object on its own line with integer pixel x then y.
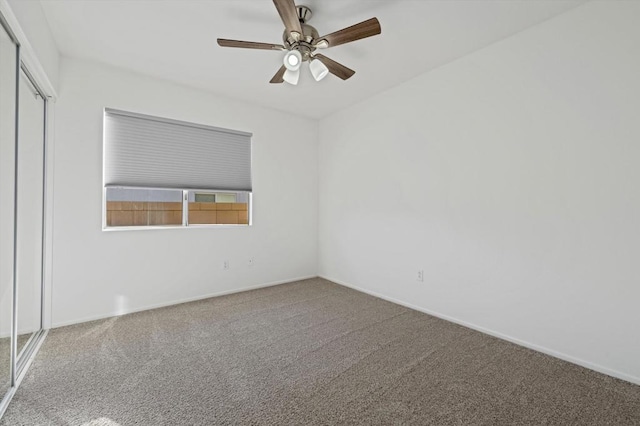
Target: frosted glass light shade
{"type": "Point", "coordinates": [291, 77]}
{"type": "Point", "coordinates": [293, 60]}
{"type": "Point", "coordinates": [318, 69]}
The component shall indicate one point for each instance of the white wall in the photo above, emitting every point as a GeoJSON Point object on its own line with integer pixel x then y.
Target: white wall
{"type": "Point", "coordinates": [38, 36]}
{"type": "Point", "coordinates": [98, 274]}
{"type": "Point", "coordinates": [510, 177]}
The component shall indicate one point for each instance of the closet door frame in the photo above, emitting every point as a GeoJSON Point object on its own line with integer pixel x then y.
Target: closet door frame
{"type": "Point", "coordinates": [12, 315]}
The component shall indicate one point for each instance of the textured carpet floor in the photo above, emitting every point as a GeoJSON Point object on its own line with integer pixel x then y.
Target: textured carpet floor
{"type": "Point", "coordinates": [309, 352]}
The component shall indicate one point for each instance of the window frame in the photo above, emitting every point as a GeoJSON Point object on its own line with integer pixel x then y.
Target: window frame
{"type": "Point", "coordinates": [185, 210]}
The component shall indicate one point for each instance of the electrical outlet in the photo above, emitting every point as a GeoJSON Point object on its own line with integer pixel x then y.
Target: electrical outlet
{"type": "Point", "coordinates": [225, 265]}
{"type": "Point", "coordinates": [420, 276]}
{"type": "Point", "coordinates": [250, 261]}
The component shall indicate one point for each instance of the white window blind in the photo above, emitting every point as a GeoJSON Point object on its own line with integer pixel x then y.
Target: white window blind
{"type": "Point", "coordinates": [152, 152]}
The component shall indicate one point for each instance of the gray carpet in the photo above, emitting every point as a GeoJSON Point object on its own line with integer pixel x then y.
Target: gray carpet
{"type": "Point", "coordinates": [309, 352]}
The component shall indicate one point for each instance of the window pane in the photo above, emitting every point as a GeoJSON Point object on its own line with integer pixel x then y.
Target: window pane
{"type": "Point", "coordinates": [143, 207]}
{"type": "Point", "coordinates": [218, 208]}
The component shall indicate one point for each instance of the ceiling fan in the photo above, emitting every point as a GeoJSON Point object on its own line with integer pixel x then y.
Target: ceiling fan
{"type": "Point", "coordinates": [301, 40]}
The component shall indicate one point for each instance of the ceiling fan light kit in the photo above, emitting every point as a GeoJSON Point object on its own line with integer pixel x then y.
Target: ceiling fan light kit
{"type": "Point", "coordinates": [291, 77]}
{"type": "Point", "coordinates": [301, 40]}
{"type": "Point", "coordinates": [318, 69]}
{"type": "Point", "coordinates": [293, 60]}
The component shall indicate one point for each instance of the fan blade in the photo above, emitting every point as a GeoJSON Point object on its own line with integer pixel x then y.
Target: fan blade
{"type": "Point", "coordinates": [278, 77]}
{"type": "Point", "coordinates": [289, 15]}
{"type": "Point", "coordinates": [249, 44]}
{"type": "Point", "coordinates": [335, 68]}
{"type": "Point", "coordinates": [355, 32]}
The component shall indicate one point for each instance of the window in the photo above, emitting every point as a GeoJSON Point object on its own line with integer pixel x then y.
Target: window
{"type": "Point", "coordinates": [166, 173]}
{"type": "Point", "coordinates": [219, 208]}
{"type": "Point", "coordinates": [143, 207]}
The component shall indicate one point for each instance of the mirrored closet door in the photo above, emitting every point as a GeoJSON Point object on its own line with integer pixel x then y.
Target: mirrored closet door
{"type": "Point", "coordinates": [30, 209]}
{"type": "Point", "coordinates": [23, 117]}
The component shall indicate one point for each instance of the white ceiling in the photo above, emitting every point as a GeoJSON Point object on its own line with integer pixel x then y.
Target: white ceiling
{"type": "Point", "coordinates": [176, 40]}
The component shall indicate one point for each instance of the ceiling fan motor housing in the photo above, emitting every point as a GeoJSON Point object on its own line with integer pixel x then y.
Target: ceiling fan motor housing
{"type": "Point", "coordinates": [304, 43]}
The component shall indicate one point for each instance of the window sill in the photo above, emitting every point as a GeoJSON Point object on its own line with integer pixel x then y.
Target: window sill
{"type": "Point", "coordinates": [148, 228]}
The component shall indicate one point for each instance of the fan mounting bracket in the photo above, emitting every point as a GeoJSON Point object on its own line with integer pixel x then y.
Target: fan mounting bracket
{"type": "Point", "coordinates": [304, 13]}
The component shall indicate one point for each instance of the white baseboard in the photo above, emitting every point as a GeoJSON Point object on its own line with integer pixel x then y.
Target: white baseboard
{"type": "Point", "coordinates": [179, 301]}
{"type": "Point", "coordinates": [544, 350]}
